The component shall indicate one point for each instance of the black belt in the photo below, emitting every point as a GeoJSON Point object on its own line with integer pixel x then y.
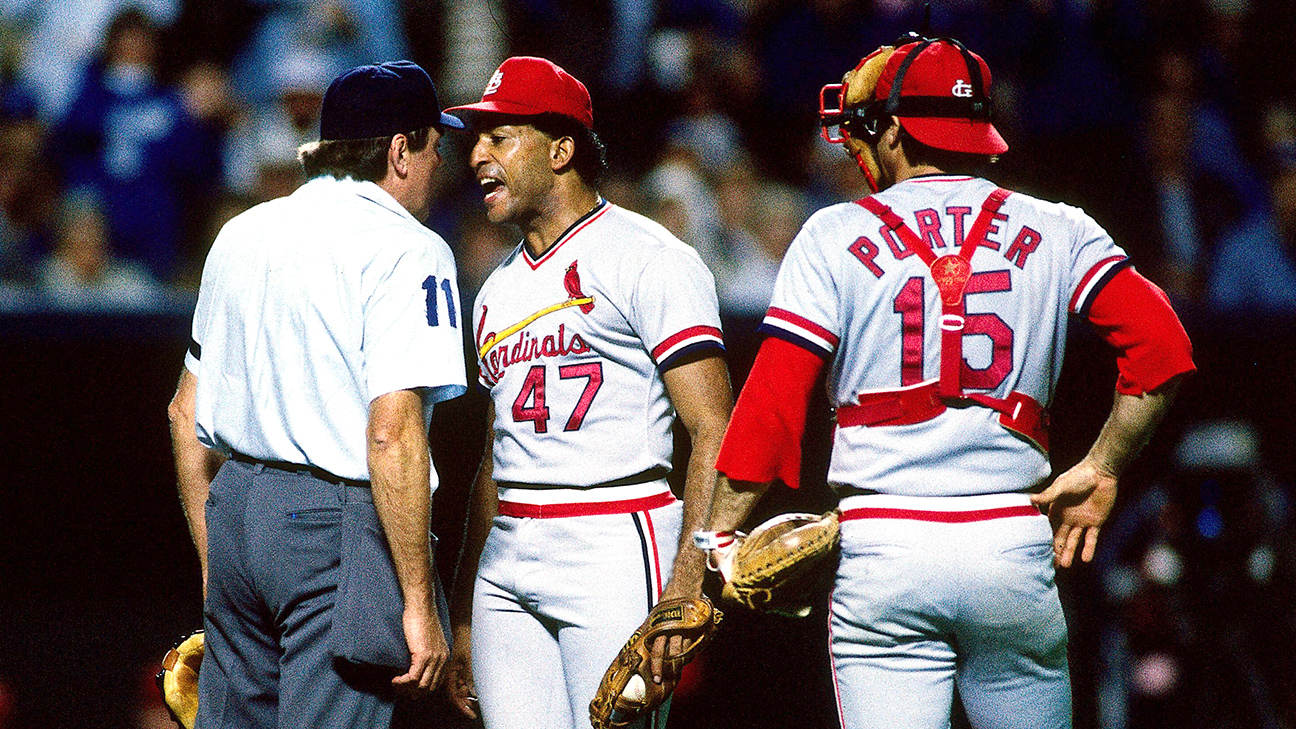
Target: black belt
{"type": "Point", "coordinates": [651, 474]}
{"type": "Point", "coordinates": [315, 471]}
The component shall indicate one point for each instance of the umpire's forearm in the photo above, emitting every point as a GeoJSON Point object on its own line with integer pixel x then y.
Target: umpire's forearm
{"type": "Point", "coordinates": [195, 464]}
{"type": "Point", "coordinates": [400, 469]}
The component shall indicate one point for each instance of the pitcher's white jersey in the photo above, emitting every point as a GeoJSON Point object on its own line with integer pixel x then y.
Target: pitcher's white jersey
{"type": "Point", "coordinates": [851, 291]}
{"type": "Point", "coordinates": [572, 345]}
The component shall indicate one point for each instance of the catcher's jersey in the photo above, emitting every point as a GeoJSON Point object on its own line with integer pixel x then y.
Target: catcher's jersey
{"type": "Point", "coordinates": [310, 307]}
{"type": "Point", "coordinates": [572, 345]}
{"type": "Point", "coordinates": [849, 290]}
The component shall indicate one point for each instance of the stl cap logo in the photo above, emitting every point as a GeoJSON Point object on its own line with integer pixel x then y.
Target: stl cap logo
{"type": "Point", "coordinates": [962, 89]}
{"type": "Point", "coordinates": [493, 85]}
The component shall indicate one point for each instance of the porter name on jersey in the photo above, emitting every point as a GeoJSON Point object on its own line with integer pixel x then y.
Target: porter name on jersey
{"type": "Point", "coordinates": [946, 232]}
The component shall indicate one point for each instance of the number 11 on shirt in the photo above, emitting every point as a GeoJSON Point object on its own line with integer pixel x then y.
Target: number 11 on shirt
{"type": "Point", "coordinates": [430, 286]}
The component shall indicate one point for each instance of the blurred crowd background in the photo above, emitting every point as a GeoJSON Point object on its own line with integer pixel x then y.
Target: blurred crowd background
{"type": "Point", "coordinates": [131, 130]}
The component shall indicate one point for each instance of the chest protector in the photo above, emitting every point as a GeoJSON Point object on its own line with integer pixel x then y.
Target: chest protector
{"type": "Point", "coordinates": [1018, 412]}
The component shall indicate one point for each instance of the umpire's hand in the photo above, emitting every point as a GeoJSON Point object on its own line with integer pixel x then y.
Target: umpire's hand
{"type": "Point", "coordinates": [428, 649]}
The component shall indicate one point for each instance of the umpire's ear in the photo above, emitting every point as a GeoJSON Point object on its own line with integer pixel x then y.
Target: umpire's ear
{"type": "Point", "coordinates": [398, 152]}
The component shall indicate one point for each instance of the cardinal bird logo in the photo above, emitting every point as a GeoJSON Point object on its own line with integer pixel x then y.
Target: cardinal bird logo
{"type": "Point", "coordinates": [571, 280]}
{"type": "Point", "coordinates": [575, 297]}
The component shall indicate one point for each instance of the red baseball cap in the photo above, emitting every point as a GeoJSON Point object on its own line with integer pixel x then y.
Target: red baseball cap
{"type": "Point", "coordinates": [942, 101]}
{"type": "Point", "coordinates": [529, 86]}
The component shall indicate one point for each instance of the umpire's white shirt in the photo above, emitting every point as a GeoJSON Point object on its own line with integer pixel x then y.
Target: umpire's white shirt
{"type": "Point", "coordinates": [311, 306]}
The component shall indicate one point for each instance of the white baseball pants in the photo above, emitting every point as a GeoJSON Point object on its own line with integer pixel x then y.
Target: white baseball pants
{"type": "Point", "coordinates": [921, 606]}
{"type": "Point", "coordinates": [555, 600]}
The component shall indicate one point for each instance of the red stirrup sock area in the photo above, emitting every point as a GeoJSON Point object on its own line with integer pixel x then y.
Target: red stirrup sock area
{"type": "Point", "coordinates": [1133, 315]}
{"type": "Point", "coordinates": [763, 441]}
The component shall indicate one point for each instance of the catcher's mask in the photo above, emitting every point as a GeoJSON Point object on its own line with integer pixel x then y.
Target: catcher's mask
{"type": "Point", "coordinates": [935, 86]}
{"type": "Point", "coordinates": [860, 119]}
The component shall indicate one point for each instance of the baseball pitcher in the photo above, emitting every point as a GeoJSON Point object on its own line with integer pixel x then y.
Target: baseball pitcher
{"type": "Point", "coordinates": [591, 336]}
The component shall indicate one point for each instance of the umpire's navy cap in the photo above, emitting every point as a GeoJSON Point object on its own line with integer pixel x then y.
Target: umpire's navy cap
{"type": "Point", "coordinates": [380, 100]}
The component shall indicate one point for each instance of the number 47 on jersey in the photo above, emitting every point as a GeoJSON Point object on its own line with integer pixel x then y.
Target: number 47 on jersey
{"type": "Point", "coordinates": [530, 403]}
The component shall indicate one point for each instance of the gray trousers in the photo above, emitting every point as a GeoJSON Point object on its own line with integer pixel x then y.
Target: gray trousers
{"type": "Point", "coordinates": [303, 610]}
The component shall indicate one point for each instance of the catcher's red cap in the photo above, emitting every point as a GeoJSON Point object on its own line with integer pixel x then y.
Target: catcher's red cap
{"type": "Point", "coordinates": [942, 101]}
{"type": "Point", "coordinates": [529, 86]}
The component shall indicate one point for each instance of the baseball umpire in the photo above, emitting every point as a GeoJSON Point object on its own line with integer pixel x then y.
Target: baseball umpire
{"type": "Point", "coordinates": [324, 333]}
{"type": "Point", "coordinates": [592, 335]}
{"type": "Point", "coordinates": [939, 307]}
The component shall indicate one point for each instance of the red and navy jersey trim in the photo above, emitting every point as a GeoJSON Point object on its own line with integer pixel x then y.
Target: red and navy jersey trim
{"type": "Point", "coordinates": [1094, 281]}
{"type": "Point", "coordinates": [686, 346]}
{"type": "Point", "coordinates": [572, 230]}
{"type": "Point", "coordinates": [800, 331]}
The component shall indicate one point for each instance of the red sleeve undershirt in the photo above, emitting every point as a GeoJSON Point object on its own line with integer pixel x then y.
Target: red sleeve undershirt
{"type": "Point", "coordinates": [763, 441]}
{"type": "Point", "coordinates": [1133, 315]}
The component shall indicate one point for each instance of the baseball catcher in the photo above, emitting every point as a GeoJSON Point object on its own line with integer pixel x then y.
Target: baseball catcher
{"type": "Point", "coordinates": [178, 679]}
{"type": "Point", "coordinates": [686, 624]}
{"type": "Point", "coordinates": [945, 576]}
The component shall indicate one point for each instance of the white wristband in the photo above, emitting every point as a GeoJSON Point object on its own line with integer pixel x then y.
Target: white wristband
{"type": "Point", "coordinates": [707, 541]}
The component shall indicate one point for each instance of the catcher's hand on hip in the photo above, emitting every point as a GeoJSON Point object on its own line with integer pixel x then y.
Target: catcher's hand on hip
{"type": "Point", "coordinates": [1078, 503]}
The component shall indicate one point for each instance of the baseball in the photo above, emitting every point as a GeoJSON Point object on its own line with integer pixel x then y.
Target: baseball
{"type": "Point", "coordinates": [635, 689]}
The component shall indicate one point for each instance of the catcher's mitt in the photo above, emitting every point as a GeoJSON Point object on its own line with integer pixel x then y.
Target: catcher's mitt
{"type": "Point", "coordinates": [778, 567]}
{"type": "Point", "coordinates": [178, 679]}
{"type": "Point", "coordinates": [627, 690]}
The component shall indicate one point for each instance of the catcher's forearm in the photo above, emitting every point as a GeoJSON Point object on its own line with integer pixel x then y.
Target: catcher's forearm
{"type": "Point", "coordinates": [1130, 425]}
{"type": "Point", "coordinates": [732, 503]}
{"type": "Point", "coordinates": [400, 469]}
{"type": "Point", "coordinates": [483, 506]}
{"type": "Point", "coordinates": [196, 465]}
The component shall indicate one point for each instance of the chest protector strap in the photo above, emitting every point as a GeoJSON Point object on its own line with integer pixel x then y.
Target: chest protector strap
{"type": "Point", "coordinates": [951, 272]}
